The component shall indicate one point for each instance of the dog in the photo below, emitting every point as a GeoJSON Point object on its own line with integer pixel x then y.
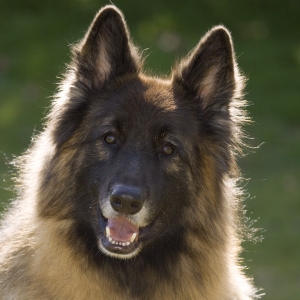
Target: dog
{"type": "Point", "coordinates": [131, 191]}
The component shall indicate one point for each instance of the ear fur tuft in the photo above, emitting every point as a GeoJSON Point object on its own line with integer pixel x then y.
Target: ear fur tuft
{"type": "Point", "coordinates": [209, 70]}
{"type": "Point", "coordinates": [106, 50]}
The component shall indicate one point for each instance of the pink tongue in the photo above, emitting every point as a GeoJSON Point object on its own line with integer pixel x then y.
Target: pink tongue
{"type": "Point", "coordinates": [121, 229]}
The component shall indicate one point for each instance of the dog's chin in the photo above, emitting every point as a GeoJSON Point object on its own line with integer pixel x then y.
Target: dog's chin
{"type": "Point", "coordinates": [121, 246]}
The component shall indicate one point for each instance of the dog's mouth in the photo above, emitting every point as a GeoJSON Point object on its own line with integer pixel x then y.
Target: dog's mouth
{"type": "Point", "coordinates": [120, 237]}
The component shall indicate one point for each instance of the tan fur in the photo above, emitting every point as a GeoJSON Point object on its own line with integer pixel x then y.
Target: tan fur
{"type": "Point", "coordinates": [36, 267]}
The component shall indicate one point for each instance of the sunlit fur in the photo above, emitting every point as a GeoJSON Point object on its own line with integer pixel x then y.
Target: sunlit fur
{"type": "Point", "coordinates": [49, 247]}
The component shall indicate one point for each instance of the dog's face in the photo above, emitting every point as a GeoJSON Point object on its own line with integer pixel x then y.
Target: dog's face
{"type": "Point", "coordinates": [140, 144]}
{"type": "Point", "coordinates": [141, 158]}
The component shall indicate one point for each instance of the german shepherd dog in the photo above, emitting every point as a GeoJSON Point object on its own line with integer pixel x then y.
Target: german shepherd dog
{"type": "Point", "coordinates": [130, 192]}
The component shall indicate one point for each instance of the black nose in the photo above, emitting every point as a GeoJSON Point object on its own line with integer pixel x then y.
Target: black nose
{"type": "Point", "coordinates": [126, 199]}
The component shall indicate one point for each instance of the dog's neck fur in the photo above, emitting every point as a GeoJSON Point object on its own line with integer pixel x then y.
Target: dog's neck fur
{"type": "Point", "coordinates": [83, 281]}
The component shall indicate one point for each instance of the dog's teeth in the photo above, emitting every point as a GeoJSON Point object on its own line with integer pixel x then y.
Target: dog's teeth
{"type": "Point", "coordinates": [122, 243]}
{"type": "Point", "coordinates": [133, 237]}
{"type": "Point", "coordinates": [107, 231]}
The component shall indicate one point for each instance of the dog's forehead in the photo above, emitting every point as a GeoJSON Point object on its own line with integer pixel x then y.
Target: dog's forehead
{"type": "Point", "coordinates": [150, 101]}
{"type": "Point", "coordinates": [146, 103]}
{"type": "Point", "coordinates": [151, 90]}
{"type": "Point", "coordinates": [159, 92]}
{"type": "Point", "coordinates": [147, 96]}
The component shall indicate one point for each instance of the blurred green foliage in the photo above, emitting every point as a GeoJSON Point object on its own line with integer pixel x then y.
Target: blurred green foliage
{"type": "Point", "coordinates": [34, 47]}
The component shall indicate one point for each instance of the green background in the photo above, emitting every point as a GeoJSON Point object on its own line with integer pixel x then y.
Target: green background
{"type": "Point", "coordinates": [34, 47]}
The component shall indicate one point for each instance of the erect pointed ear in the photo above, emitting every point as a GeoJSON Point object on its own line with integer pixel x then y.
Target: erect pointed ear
{"type": "Point", "coordinates": [209, 72]}
{"type": "Point", "coordinates": [106, 50]}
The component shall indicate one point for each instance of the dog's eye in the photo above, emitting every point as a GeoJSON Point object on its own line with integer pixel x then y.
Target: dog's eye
{"type": "Point", "coordinates": [110, 139]}
{"type": "Point", "coordinates": [167, 149]}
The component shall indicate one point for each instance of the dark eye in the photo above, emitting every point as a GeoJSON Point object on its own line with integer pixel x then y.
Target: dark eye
{"type": "Point", "coordinates": [110, 139]}
{"type": "Point", "coordinates": [167, 149]}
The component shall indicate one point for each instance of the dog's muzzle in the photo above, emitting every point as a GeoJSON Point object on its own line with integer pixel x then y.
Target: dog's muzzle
{"type": "Point", "coordinates": [121, 237]}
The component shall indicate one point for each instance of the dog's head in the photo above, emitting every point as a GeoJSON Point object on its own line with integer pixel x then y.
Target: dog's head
{"type": "Point", "coordinates": [143, 158]}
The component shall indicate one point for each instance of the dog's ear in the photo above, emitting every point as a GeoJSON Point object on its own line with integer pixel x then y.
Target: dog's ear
{"type": "Point", "coordinates": [106, 50]}
{"type": "Point", "coordinates": [209, 72]}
